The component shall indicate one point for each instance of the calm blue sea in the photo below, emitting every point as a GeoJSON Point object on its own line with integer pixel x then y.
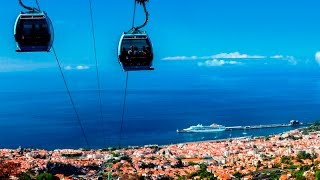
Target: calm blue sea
{"type": "Point", "coordinates": [36, 112]}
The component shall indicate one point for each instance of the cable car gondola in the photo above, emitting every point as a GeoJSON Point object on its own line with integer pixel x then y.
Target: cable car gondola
{"type": "Point", "coordinates": [135, 50]}
{"type": "Point", "coordinates": [33, 31]}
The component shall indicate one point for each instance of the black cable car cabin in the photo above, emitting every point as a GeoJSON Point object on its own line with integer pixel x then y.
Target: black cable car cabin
{"type": "Point", "coordinates": [135, 52]}
{"type": "Point", "coordinates": [33, 32]}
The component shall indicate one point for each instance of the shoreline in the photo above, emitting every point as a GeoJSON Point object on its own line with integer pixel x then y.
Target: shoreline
{"type": "Point", "coordinates": [220, 158]}
{"type": "Point", "coordinates": [165, 145]}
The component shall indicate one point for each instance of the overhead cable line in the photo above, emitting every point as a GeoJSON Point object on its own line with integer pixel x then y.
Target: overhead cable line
{"type": "Point", "coordinates": [133, 29]}
{"type": "Point", "coordinates": [142, 2]}
{"type": "Point", "coordinates": [134, 13]}
{"type": "Point", "coordinates": [38, 5]}
{"type": "Point", "coordinates": [71, 99]}
{"type": "Point", "coordinates": [123, 108]}
{"type": "Point", "coordinates": [29, 8]}
{"type": "Point", "coordinates": [97, 71]}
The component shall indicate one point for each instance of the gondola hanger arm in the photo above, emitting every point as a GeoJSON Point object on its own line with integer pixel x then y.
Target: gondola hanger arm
{"type": "Point", "coordinates": [29, 8]}
{"type": "Point", "coordinates": [143, 3]}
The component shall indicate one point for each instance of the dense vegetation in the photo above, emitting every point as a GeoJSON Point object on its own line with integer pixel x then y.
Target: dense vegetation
{"type": "Point", "coordinates": [313, 128]}
{"type": "Point", "coordinates": [202, 173]}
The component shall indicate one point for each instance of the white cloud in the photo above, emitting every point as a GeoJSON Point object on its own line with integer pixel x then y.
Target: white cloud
{"type": "Point", "coordinates": [181, 58]}
{"type": "Point", "coordinates": [68, 68]}
{"type": "Point", "coordinates": [277, 57]}
{"type": "Point", "coordinates": [237, 55]}
{"type": "Point", "coordinates": [217, 62]}
{"type": "Point", "coordinates": [212, 60]}
{"type": "Point", "coordinates": [282, 57]}
{"type": "Point", "coordinates": [233, 55]}
{"type": "Point", "coordinates": [78, 67]}
{"type": "Point", "coordinates": [292, 60]}
{"type": "Point", "coordinates": [317, 57]}
{"type": "Point", "coordinates": [81, 67]}
{"type": "Point", "coordinates": [11, 65]}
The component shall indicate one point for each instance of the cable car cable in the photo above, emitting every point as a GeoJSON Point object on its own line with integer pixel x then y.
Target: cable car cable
{"type": "Point", "coordinates": [38, 5]}
{"type": "Point", "coordinates": [97, 72]}
{"type": "Point", "coordinates": [124, 107]}
{"type": "Point", "coordinates": [69, 93]}
{"type": "Point", "coordinates": [32, 10]}
{"type": "Point", "coordinates": [27, 7]}
{"type": "Point", "coordinates": [134, 13]}
{"type": "Point", "coordinates": [71, 99]}
{"type": "Point", "coordinates": [142, 2]}
{"type": "Point", "coordinates": [127, 77]}
{"type": "Point", "coordinates": [135, 52]}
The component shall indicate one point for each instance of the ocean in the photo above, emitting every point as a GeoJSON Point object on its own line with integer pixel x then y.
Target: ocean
{"type": "Point", "coordinates": [35, 110]}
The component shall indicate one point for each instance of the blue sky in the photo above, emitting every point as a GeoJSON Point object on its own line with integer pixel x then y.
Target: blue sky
{"type": "Point", "coordinates": [260, 47]}
{"type": "Point", "coordinates": [210, 32]}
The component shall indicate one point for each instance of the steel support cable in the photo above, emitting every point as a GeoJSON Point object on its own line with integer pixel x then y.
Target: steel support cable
{"type": "Point", "coordinates": [38, 5]}
{"type": "Point", "coordinates": [127, 73]}
{"type": "Point", "coordinates": [126, 86]}
{"type": "Point", "coordinates": [147, 17]}
{"type": "Point", "coordinates": [124, 107]}
{"type": "Point", "coordinates": [134, 13]}
{"type": "Point", "coordinates": [29, 8]}
{"type": "Point", "coordinates": [71, 99]}
{"type": "Point", "coordinates": [97, 72]}
{"type": "Point", "coordinates": [141, 2]}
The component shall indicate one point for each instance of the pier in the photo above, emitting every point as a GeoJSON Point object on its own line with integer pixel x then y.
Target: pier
{"type": "Point", "coordinates": [293, 123]}
{"type": "Point", "coordinates": [219, 128]}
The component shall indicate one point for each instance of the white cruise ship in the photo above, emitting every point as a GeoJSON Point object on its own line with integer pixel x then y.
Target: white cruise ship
{"type": "Point", "coordinates": [201, 129]}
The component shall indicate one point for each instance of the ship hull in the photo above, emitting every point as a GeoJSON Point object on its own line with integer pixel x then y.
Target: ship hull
{"type": "Point", "coordinates": [200, 131]}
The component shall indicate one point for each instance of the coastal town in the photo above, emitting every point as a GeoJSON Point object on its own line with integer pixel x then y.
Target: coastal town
{"type": "Point", "coordinates": [290, 155]}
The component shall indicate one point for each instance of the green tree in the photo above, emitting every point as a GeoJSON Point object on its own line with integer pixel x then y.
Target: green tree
{"type": "Point", "coordinates": [126, 158]}
{"type": "Point", "coordinates": [203, 167]}
{"type": "Point", "coordinates": [277, 165]}
{"type": "Point", "coordinates": [237, 175]}
{"type": "Point", "coordinates": [259, 164]}
{"type": "Point", "coordinates": [306, 167]}
{"type": "Point", "coordinates": [303, 155]}
{"type": "Point", "coordinates": [181, 177]}
{"type": "Point", "coordinates": [317, 175]}
{"type": "Point", "coordinates": [46, 176]}
{"type": "Point", "coordinates": [191, 163]}
{"type": "Point", "coordinates": [286, 160]}
{"type": "Point", "coordinates": [273, 174]}
{"type": "Point", "coordinates": [314, 155]}
{"type": "Point", "coordinates": [299, 175]}
{"type": "Point", "coordinates": [115, 154]}
{"type": "Point", "coordinates": [305, 132]}
{"type": "Point", "coordinates": [24, 176]}
{"type": "Point", "coordinates": [203, 173]}
{"type": "Point", "coordinates": [292, 167]}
